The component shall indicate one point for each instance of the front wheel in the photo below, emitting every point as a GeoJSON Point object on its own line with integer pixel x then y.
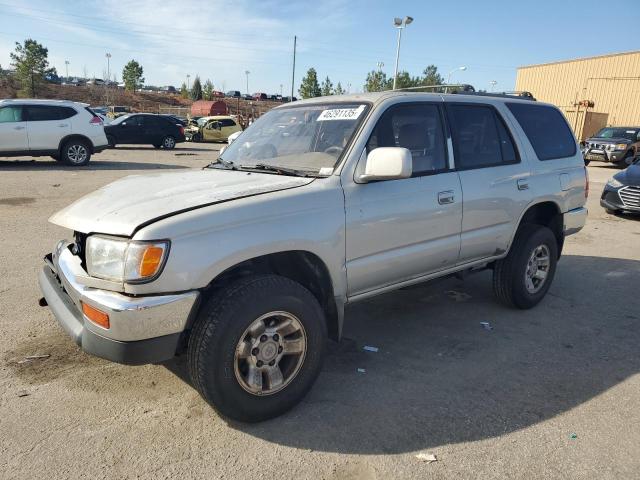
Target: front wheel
{"type": "Point", "coordinates": [524, 276]}
{"type": "Point", "coordinates": [257, 347]}
{"type": "Point", "coordinates": [168, 142]}
{"type": "Point", "coordinates": [76, 153]}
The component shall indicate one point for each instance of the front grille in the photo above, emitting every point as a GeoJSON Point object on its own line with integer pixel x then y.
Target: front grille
{"type": "Point", "coordinates": [630, 196]}
{"type": "Point", "coordinates": [79, 247]}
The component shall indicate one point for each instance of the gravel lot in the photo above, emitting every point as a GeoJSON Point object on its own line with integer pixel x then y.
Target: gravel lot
{"type": "Point", "coordinates": [547, 393]}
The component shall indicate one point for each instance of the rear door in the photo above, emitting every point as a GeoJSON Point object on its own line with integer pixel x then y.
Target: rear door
{"type": "Point", "coordinates": [494, 178]}
{"type": "Point", "coordinates": [13, 129]}
{"type": "Point", "coordinates": [47, 125]}
{"type": "Point", "coordinates": [130, 130]}
{"type": "Point", "coordinates": [228, 127]}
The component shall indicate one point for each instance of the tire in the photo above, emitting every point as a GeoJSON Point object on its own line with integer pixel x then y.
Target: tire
{"type": "Point", "coordinates": [111, 141]}
{"type": "Point", "coordinates": [168, 142]}
{"type": "Point", "coordinates": [214, 352]}
{"type": "Point", "coordinates": [510, 274]}
{"type": "Point", "coordinates": [75, 152]}
{"type": "Point", "coordinates": [56, 157]}
{"type": "Point", "coordinates": [587, 162]}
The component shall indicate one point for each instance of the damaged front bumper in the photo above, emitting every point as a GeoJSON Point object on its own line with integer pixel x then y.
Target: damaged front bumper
{"type": "Point", "coordinates": [143, 329]}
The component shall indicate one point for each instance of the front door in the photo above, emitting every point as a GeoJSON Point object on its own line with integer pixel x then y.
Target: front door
{"type": "Point", "coordinates": [212, 131]}
{"type": "Point", "coordinates": [130, 130]}
{"type": "Point", "coordinates": [404, 229]}
{"type": "Point", "coordinates": [47, 125]}
{"type": "Point", "coordinates": [13, 129]}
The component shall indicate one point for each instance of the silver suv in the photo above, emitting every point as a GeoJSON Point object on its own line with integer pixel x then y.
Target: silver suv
{"type": "Point", "coordinates": [246, 266]}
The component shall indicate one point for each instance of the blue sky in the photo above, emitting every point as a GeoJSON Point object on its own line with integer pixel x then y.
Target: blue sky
{"type": "Point", "coordinates": [344, 39]}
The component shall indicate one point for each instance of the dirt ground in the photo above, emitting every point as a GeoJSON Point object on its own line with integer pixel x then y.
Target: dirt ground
{"type": "Point", "coordinates": [548, 393]}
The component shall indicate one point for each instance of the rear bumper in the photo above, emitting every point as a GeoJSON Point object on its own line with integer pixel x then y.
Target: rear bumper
{"type": "Point", "coordinates": [574, 220]}
{"type": "Point", "coordinates": [142, 329]}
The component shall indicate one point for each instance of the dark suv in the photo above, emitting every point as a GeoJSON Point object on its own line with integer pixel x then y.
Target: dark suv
{"type": "Point", "coordinates": [617, 145]}
{"type": "Point", "coordinates": [144, 128]}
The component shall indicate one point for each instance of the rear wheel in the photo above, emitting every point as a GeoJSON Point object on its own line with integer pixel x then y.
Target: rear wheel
{"type": "Point", "coordinates": [76, 153]}
{"type": "Point", "coordinates": [168, 142]}
{"type": "Point", "coordinates": [524, 276]}
{"type": "Point", "coordinates": [257, 347]}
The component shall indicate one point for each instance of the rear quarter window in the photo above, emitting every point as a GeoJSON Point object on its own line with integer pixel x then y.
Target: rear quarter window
{"type": "Point", "coordinates": [546, 129]}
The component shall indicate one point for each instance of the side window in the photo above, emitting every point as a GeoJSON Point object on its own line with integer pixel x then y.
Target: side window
{"type": "Point", "coordinates": [480, 137]}
{"type": "Point", "coordinates": [416, 127]}
{"type": "Point", "coordinates": [136, 120]}
{"type": "Point", "coordinates": [546, 129]}
{"type": "Point", "coordinates": [43, 113]}
{"type": "Point", "coordinates": [66, 112]}
{"type": "Point", "coordinates": [10, 114]}
{"type": "Point", "coordinates": [227, 122]}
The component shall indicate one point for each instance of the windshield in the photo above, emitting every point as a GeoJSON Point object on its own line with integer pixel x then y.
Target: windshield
{"type": "Point", "coordinates": [305, 138]}
{"type": "Point", "coordinates": [628, 133]}
{"type": "Point", "coordinates": [202, 121]}
{"type": "Point", "coordinates": [120, 119]}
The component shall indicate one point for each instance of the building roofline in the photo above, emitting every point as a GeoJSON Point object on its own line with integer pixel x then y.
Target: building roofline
{"type": "Point", "coordinates": [631, 52]}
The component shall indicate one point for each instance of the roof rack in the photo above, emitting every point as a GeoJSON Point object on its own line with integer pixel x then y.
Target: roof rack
{"type": "Point", "coordinates": [466, 89]}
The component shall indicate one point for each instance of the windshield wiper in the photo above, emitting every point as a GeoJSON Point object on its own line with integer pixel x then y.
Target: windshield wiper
{"type": "Point", "coordinates": [277, 169]}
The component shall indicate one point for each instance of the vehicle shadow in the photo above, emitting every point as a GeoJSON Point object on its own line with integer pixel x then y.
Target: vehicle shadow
{"type": "Point", "coordinates": [44, 165]}
{"type": "Point", "coordinates": [440, 377]}
{"type": "Point", "coordinates": [163, 151]}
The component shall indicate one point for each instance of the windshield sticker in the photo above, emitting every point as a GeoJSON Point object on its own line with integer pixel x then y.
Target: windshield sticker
{"type": "Point", "coordinates": [631, 131]}
{"type": "Point", "coordinates": [341, 114]}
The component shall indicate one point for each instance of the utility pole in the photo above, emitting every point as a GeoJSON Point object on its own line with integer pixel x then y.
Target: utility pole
{"type": "Point", "coordinates": [293, 74]}
{"type": "Point", "coordinates": [247, 72]}
{"type": "Point", "coordinates": [66, 66]}
{"type": "Point", "coordinates": [188, 84]}
{"type": "Point", "coordinates": [400, 24]}
{"type": "Point", "coordinates": [280, 89]}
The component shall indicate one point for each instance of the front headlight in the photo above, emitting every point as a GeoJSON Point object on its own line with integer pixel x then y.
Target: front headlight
{"type": "Point", "coordinates": [124, 260]}
{"type": "Point", "coordinates": [613, 183]}
{"type": "Point", "coordinates": [621, 146]}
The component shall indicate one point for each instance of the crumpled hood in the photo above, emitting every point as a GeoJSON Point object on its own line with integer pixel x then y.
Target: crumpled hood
{"type": "Point", "coordinates": [122, 206]}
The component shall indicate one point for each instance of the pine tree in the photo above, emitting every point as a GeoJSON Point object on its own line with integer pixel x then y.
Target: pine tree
{"type": "Point", "coordinates": [32, 66]}
{"type": "Point", "coordinates": [207, 90]}
{"type": "Point", "coordinates": [327, 87]}
{"type": "Point", "coordinates": [338, 90]}
{"type": "Point", "coordinates": [309, 87]}
{"type": "Point", "coordinates": [184, 93]}
{"type": "Point", "coordinates": [376, 81]}
{"type": "Point", "coordinates": [132, 75]}
{"type": "Point", "coordinates": [196, 89]}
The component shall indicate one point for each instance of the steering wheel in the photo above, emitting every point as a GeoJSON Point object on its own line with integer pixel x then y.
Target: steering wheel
{"type": "Point", "coordinates": [334, 150]}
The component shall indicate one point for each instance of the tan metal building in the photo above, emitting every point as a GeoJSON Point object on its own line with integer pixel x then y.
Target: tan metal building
{"type": "Point", "coordinates": [592, 92]}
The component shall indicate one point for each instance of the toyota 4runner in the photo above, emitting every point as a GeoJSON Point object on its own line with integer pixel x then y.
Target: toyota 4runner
{"type": "Point", "coordinates": [246, 265]}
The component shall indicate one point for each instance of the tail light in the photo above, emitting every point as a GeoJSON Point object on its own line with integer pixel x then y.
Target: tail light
{"type": "Point", "coordinates": [96, 121]}
{"type": "Point", "coordinates": [181, 130]}
{"type": "Point", "coordinates": [586, 182]}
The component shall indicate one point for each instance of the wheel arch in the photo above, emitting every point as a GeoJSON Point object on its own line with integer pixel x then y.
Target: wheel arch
{"type": "Point", "coordinates": [75, 136]}
{"type": "Point", "coordinates": [301, 266]}
{"type": "Point", "coordinates": [546, 213]}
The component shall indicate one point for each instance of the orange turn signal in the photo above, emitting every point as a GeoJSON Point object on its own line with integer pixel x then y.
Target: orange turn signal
{"type": "Point", "coordinates": [151, 259]}
{"type": "Point", "coordinates": [96, 316]}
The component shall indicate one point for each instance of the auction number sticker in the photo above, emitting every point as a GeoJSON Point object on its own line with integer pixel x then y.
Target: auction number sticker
{"type": "Point", "coordinates": [341, 114]}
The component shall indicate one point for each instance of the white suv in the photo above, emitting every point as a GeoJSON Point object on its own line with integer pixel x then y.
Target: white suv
{"type": "Point", "coordinates": [67, 131]}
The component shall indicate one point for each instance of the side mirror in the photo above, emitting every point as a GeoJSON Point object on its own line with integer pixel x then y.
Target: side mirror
{"type": "Point", "coordinates": [387, 163]}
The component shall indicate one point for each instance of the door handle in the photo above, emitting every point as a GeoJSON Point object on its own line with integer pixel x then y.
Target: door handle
{"type": "Point", "coordinates": [18, 128]}
{"type": "Point", "coordinates": [446, 197]}
{"type": "Point", "coordinates": [523, 184]}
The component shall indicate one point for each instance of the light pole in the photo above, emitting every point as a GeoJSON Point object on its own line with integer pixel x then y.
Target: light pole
{"type": "Point", "coordinates": [188, 84]}
{"type": "Point", "coordinates": [493, 84]}
{"type": "Point", "coordinates": [462, 69]}
{"type": "Point", "coordinates": [106, 83]}
{"type": "Point", "coordinates": [400, 24]}
{"type": "Point", "coordinates": [66, 66]}
{"type": "Point", "coordinates": [247, 72]}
